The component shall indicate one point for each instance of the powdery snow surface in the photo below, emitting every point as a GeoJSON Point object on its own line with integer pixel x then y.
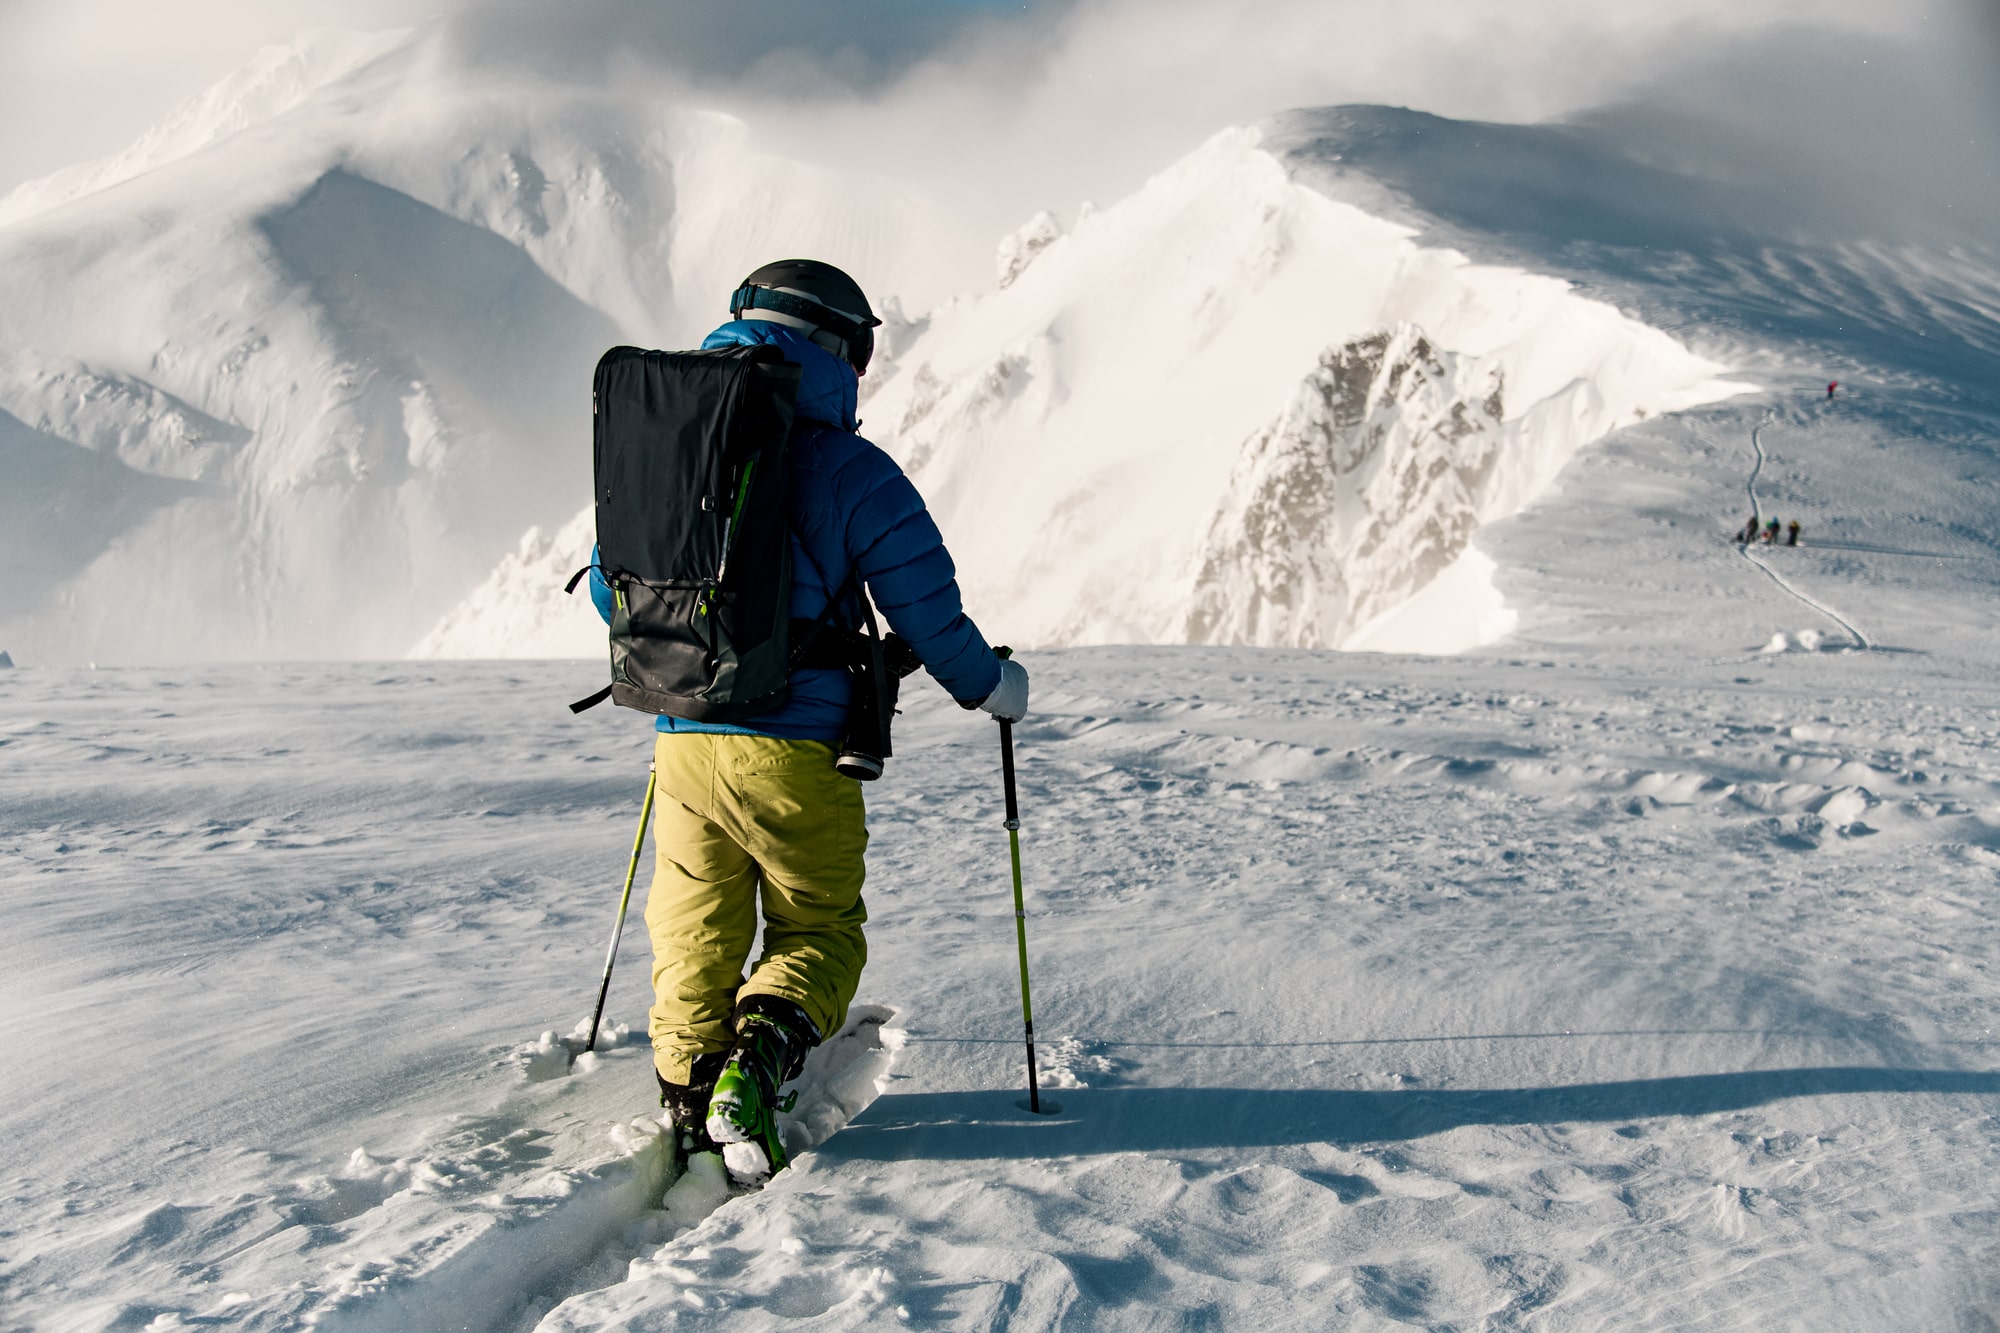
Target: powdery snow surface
{"type": "Point", "coordinates": [1624, 975]}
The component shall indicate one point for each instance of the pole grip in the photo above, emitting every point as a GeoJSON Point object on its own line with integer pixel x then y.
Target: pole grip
{"type": "Point", "coordinates": [1007, 770]}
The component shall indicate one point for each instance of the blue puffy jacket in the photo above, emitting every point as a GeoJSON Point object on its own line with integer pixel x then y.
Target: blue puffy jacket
{"type": "Point", "coordinates": [852, 507]}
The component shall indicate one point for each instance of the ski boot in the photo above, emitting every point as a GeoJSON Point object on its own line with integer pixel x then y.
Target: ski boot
{"type": "Point", "coordinates": [772, 1038]}
{"type": "Point", "coordinates": [687, 1107]}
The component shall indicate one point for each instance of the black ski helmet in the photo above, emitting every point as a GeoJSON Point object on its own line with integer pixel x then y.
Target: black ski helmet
{"type": "Point", "coordinates": [819, 294]}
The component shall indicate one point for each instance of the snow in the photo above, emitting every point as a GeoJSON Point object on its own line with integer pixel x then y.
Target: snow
{"type": "Point", "coordinates": [309, 360]}
{"type": "Point", "coordinates": [1457, 610]}
{"type": "Point", "coordinates": [314, 346]}
{"type": "Point", "coordinates": [1158, 394]}
{"type": "Point", "coordinates": [277, 79]}
{"type": "Point", "coordinates": [1614, 943]}
{"type": "Point", "coordinates": [1597, 987]}
{"type": "Point", "coordinates": [512, 614]}
{"type": "Point", "coordinates": [1617, 975]}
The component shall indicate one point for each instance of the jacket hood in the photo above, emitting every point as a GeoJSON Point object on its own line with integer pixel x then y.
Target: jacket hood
{"type": "Point", "coordinates": [827, 384]}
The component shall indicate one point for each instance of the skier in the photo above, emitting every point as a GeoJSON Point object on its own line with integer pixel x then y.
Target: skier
{"type": "Point", "coordinates": [754, 813]}
{"type": "Point", "coordinates": [1831, 386]}
{"type": "Point", "coordinates": [1792, 533]}
{"type": "Point", "coordinates": [1771, 533]}
{"type": "Point", "coordinates": [1748, 533]}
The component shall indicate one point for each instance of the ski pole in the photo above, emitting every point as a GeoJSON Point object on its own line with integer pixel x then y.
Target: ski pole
{"type": "Point", "coordinates": [618, 928]}
{"type": "Point", "coordinates": [1020, 909]}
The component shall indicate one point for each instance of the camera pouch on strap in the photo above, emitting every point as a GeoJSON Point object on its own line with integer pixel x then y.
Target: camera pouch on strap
{"type": "Point", "coordinates": [693, 483]}
{"type": "Point", "coordinates": [876, 665]}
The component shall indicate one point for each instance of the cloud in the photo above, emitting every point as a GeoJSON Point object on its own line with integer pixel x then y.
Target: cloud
{"type": "Point", "coordinates": [790, 49]}
{"type": "Point", "coordinates": [1853, 134]}
{"type": "Point", "coordinates": [1001, 109]}
{"type": "Point", "coordinates": [1108, 91]}
{"type": "Point", "coordinates": [82, 79]}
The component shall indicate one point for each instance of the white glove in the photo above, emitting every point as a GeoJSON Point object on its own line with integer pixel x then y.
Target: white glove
{"type": "Point", "coordinates": [1009, 700]}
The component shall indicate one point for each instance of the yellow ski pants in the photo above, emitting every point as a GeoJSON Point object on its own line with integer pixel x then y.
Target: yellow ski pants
{"type": "Point", "coordinates": [744, 821]}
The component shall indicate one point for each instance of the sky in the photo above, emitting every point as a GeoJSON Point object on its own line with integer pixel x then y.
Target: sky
{"type": "Point", "coordinates": [1048, 102]}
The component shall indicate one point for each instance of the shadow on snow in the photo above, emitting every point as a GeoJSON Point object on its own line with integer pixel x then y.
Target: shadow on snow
{"type": "Point", "coordinates": [947, 1125]}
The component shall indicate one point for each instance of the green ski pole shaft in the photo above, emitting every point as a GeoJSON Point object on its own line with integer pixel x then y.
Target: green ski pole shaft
{"type": "Point", "coordinates": [1020, 907]}
{"type": "Point", "coordinates": [624, 902]}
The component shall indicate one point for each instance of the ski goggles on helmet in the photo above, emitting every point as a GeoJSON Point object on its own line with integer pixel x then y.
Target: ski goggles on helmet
{"type": "Point", "coordinates": [857, 334]}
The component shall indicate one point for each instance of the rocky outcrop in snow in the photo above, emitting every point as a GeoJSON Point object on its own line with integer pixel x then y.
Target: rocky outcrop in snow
{"type": "Point", "coordinates": [1143, 436]}
{"type": "Point", "coordinates": [1366, 487]}
{"type": "Point", "coordinates": [1018, 248]}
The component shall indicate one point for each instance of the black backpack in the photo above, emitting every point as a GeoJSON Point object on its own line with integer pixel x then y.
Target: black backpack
{"type": "Point", "coordinates": [693, 494]}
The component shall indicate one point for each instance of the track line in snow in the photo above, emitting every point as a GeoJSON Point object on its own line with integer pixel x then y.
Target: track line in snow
{"type": "Point", "coordinates": [487, 1227]}
{"type": "Point", "coordinates": [1757, 514]}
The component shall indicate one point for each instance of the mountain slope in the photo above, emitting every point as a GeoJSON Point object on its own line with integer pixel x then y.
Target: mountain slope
{"type": "Point", "coordinates": [356, 293]}
{"type": "Point", "coordinates": [1096, 435]}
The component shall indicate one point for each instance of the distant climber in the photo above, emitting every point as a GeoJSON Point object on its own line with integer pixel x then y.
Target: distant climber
{"type": "Point", "coordinates": [1748, 532]}
{"type": "Point", "coordinates": [1792, 533]}
{"type": "Point", "coordinates": [1771, 533]}
{"type": "Point", "coordinates": [1831, 386]}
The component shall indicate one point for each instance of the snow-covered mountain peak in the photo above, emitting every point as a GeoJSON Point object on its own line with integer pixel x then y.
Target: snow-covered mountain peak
{"type": "Point", "coordinates": [299, 368]}
{"type": "Point", "coordinates": [277, 79]}
{"type": "Point", "coordinates": [1227, 408]}
{"type": "Point", "coordinates": [361, 326]}
{"type": "Point", "coordinates": [1131, 395]}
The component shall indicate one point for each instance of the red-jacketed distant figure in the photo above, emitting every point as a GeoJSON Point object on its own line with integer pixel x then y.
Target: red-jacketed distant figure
{"type": "Point", "coordinates": [1831, 386]}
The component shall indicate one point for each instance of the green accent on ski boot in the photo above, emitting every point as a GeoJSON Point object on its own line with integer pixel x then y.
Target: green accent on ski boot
{"type": "Point", "coordinates": [740, 1113]}
{"type": "Point", "coordinates": [745, 1107]}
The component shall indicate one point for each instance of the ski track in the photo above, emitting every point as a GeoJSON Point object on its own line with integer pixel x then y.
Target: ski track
{"type": "Point", "coordinates": [1757, 444]}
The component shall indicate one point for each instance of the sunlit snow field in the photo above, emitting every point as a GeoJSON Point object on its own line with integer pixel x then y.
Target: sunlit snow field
{"type": "Point", "coordinates": [1633, 969]}
{"type": "Point", "coordinates": [1623, 975]}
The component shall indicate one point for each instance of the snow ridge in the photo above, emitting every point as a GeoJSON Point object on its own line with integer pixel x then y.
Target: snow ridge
{"type": "Point", "coordinates": [1229, 409]}
{"type": "Point", "coordinates": [353, 296]}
